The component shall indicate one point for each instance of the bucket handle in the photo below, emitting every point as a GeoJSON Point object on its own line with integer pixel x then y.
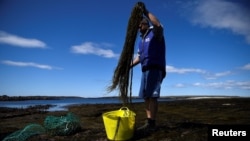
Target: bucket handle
{"type": "Point", "coordinates": [126, 111]}
{"type": "Point", "coordinates": [117, 127]}
{"type": "Point", "coordinates": [124, 108]}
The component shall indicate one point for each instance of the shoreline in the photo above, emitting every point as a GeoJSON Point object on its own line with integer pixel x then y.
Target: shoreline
{"type": "Point", "coordinates": [177, 120]}
{"type": "Point", "coordinates": [61, 103]}
{"type": "Point", "coordinates": [23, 98]}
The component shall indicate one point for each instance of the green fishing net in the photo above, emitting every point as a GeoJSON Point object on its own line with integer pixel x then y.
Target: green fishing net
{"type": "Point", "coordinates": [25, 133]}
{"type": "Point", "coordinates": [53, 125]}
{"type": "Point", "coordinates": [64, 125]}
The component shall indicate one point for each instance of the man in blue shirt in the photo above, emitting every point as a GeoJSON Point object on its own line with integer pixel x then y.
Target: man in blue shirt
{"type": "Point", "coordinates": [151, 56]}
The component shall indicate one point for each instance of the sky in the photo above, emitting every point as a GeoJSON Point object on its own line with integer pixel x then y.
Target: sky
{"type": "Point", "coordinates": [71, 47]}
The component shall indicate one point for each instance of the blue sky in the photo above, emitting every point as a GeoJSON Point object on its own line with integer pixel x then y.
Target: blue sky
{"type": "Point", "coordinates": [71, 47]}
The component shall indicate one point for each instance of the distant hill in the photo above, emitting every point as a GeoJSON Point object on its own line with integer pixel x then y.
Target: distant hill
{"type": "Point", "coordinates": [20, 98]}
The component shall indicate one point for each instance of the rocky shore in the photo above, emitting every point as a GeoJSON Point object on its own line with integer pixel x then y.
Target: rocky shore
{"type": "Point", "coordinates": [180, 120]}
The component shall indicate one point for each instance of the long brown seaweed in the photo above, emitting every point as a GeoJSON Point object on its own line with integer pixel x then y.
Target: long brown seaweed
{"type": "Point", "coordinates": [122, 78]}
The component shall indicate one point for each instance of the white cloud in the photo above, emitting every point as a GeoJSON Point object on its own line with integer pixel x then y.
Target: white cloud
{"type": "Point", "coordinates": [28, 64]}
{"type": "Point", "coordinates": [225, 85]}
{"type": "Point", "coordinates": [223, 14]}
{"type": "Point", "coordinates": [246, 67]}
{"type": "Point", "coordinates": [94, 48]}
{"type": "Point", "coordinates": [172, 69]}
{"type": "Point", "coordinates": [216, 75]}
{"type": "Point", "coordinates": [206, 74]}
{"type": "Point", "coordinates": [6, 38]}
{"type": "Point", "coordinates": [179, 85]}
{"type": "Point", "coordinates": [197, 84]}
{"type": "Point", "coordinates": [230, 84]}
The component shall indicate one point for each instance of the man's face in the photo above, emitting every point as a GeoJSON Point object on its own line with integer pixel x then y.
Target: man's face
{"type": "Point", "coordinates": [143, 26]}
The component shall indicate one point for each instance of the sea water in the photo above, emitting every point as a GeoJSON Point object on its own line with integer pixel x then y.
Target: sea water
{"type": "Point", "coordinates": [62, 103]}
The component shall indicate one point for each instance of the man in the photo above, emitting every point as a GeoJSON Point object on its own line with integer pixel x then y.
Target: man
{"type": "Point", "coordinates": [151, 56]}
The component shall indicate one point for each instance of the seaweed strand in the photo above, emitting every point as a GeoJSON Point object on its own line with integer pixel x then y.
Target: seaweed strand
{"type": "Point", "coordinates": [123, 70]}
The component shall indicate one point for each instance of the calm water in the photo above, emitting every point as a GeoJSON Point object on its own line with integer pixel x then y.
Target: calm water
{"type": "Point", "coordinates": [61, 104]}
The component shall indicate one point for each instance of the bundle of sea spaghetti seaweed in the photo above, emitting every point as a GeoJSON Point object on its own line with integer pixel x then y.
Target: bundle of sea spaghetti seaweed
{"type": "Point", "coordinates": [123, 72]}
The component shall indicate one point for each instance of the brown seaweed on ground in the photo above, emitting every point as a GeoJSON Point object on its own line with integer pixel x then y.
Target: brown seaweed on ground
{"type": "Point", "coordinates": [122, 78]}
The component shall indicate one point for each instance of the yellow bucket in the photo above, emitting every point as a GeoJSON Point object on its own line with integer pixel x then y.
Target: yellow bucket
{"type": "Point", "coordinates": [119, 124]}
